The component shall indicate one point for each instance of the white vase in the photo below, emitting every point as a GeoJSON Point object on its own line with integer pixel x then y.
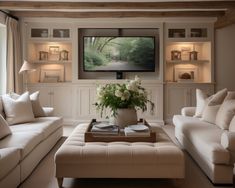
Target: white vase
{"type": "Point", "coordinates": [125, 117]}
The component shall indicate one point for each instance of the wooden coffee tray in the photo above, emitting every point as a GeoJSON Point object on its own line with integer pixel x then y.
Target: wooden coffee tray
{"type": "Point", "coordinates": [94, 137]}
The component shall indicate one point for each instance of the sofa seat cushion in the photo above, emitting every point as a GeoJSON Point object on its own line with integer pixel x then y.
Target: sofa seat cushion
{"type": "Point", "coordinates": [205, 137]}
{"type": "Point", "coordinates": [24, 141]}
{"type": "Point", "coordinates": [44, 125]}
{"type": "Point", "coordinates": [9, 158]}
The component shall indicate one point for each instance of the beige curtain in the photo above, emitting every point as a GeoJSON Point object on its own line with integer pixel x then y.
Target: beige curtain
{"type": "Point", "coordinates": [14, 80]}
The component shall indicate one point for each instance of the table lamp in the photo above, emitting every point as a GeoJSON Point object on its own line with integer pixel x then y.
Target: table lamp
{"type": "Point", "coordinates": [26, 68]}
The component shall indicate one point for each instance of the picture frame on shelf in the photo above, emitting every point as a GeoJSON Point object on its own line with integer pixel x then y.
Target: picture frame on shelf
{"type": "Point", "coordinates": [52, 75]}
{"type": "Point", "coordinates": [185, 74]}
{"type": "Point", "coordinates": [43, 56]}
{"type": "Point", "coordinates": [54, 50]}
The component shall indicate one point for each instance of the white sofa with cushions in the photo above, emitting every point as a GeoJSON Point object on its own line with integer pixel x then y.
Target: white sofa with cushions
{"type": "Point", "coordinates": [209, 135]}
{"type": "Point", "coordinates": [25, 145]}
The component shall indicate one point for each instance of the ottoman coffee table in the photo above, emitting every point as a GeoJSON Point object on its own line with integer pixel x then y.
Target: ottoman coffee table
{"type": "Point", "coordinates": [79, 159]}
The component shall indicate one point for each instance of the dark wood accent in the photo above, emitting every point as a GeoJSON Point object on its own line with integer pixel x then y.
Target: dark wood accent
{"type": "Point", "coordinates": [118, 14]}
{"type": "Point", "coordinates": [16, 5]}
{"type": "Point", "coordinates": [93, 137]}
{"type": "Point", "coordinates": [8, 14]}
{"type": "Point", "coordinates": [226, 20]}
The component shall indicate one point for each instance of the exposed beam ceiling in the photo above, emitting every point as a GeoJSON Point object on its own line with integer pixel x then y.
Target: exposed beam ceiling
{"type": "Point", "coordinates": [227, 19]}
{"type": "Point", "coordinates": [117, 14]}
{"type": "Point", "coordinates": [223, 10]}
{"type": "Point", "coordinates": [17, 5]}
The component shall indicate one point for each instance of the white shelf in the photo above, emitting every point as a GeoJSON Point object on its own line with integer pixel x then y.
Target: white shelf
{"type": "Point", "coordinates": [52, 62]}
{"type": "Point", "coordinates": [187, 61]}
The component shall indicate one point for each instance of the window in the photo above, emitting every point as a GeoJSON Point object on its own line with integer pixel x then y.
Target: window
{"type": "Point", "coordinates": [3, 38]}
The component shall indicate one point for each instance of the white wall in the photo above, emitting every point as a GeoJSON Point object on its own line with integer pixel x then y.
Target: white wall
{"type": "Point", "coordinates": [225, 58]}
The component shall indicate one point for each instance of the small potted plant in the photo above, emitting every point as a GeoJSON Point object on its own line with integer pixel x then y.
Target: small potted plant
{"type": "Point", "coordinates": [123, 100]}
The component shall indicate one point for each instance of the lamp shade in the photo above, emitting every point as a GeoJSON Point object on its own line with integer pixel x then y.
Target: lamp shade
{"type": "Point", "coordinates": [28, 67]}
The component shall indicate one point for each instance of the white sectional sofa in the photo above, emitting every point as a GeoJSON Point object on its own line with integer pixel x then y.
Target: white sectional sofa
{"type": "Point", "coordinates": [210, 146]}
{"type": "Point", "coordinates": [21, 151]}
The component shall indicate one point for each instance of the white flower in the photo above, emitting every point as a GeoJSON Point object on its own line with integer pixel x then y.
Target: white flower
{"type": "Point", "coordinates": [118, 93]}
{"type": "Point", "coordinates": [126, 95]}
{"type": "Point", "coordinates": [132, 85]}
{"type": "Point", "coordinates": [99, 91]}
{"type": "Point", "coordinates": [137, 80]}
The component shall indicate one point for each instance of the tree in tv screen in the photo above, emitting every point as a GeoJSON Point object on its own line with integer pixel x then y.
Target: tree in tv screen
{"type": "Point", "coordinates": [119, 53]}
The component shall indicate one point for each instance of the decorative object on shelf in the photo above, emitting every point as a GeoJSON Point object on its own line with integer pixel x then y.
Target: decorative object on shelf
{"type": "Point", "coordinates": [43, 56]}
{"type": "Point", "coordinates": [193, 54]}
{"type": "Point", "coordinates": [61, 33]}
{"type": "Point", "coordinates": [123, 100]}
{"type": "Point", "coordinates": [54, 49]}
{"type": "Point", "coordinates": [184, 52]}
{"type": "Point", "coordinates": [175, 55]}
{"type": "Point", "coordinates": [54, 52]}
{"type": "Point", "coordinates": [52, 75]}
{"type": "Point", "coordinates": [44, 34]}
{"type": "Point", "coordinates": [27, 68]}
{"type": "Point", "coordinates": [186, 74]}
{"type": "Point", "coordinates": [64, 55]}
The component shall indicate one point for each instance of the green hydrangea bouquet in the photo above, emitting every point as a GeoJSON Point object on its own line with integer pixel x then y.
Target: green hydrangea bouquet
{"type": "Point", "coordinates": [119, 96]}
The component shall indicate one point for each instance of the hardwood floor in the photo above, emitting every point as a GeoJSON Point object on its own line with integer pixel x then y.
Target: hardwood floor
{"type": "Point", "coordinates": [43, 175]}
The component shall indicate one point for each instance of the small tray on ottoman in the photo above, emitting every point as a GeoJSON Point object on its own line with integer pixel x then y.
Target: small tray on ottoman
{"type": "Point", "coordinates": [118, 136]}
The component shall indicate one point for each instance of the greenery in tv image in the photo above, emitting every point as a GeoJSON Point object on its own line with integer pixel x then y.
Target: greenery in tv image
{"type": "Point", "coordinates": [118, 53]}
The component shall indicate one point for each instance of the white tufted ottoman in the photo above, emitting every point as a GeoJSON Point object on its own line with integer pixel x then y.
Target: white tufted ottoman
{"type": "Point", "coordinates": [77, 159]}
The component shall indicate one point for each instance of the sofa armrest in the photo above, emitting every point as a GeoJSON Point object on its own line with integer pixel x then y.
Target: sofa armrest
{"type": "Point", "coordinates": [188, 111]}
{"type": "Point", "coordinates": [49, 111]}
{"type": "Point", "coordinates": [228, 140]}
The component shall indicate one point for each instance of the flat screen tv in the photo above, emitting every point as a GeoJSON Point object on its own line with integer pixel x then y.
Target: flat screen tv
{"type": "Point", "coordinates": [119, 54]}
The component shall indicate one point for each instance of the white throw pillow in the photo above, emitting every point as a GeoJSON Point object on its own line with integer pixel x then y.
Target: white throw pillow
{"type": "Point", "coordinates": [34, 98]}
{"type": "Point", "coordinates": [201, 100]}
{"type": "Point", "coordinates": [37, 108]}
{"type": "Point", "coordinates": [18, 110]}
{"type": "Point", "coordinates": [4, 128]}
{"type": "Point", "coordinates": [226, 111]}
{"type": "Point", "coordinates": [232, 125]}
{"type": "Point", "coordinates": [212, 107]}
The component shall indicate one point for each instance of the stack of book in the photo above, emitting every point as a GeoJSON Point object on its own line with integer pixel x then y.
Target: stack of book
{"type": "Point", "coordinates": [137, 130]}
{"type": "Point", "coordinates": [104, 129]}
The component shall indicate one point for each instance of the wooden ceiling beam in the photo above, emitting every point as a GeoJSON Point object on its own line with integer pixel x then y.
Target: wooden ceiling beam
{"type": "Point", "coordinates": [226, 20]}
{"type": "Point", "coordinates": [116, 14]}
{"type": "Point", "coordinates": [39, 5]}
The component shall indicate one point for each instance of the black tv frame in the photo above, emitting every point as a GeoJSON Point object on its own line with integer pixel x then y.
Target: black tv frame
{"type": "Point", "coordinates": [119, 74]}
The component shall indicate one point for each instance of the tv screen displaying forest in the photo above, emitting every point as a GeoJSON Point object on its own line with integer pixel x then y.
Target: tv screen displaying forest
{"type": "Point", "coordinates": [119, 53]}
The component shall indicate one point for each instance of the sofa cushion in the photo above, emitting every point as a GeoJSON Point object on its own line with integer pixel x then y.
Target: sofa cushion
{"type": "Point", "coordinates": [34, 98]}
{"type": "Point", "coordinates": [205, 137]}
{"type": "Point", "coordinates": [9, 158]}
{"type": "Point", "coordinates": [19, 110]}
{"type": "Point", "coordinates": [44, 125]}
{"type": "Point", "coordinates": [4, 128]}
{"type": "Point", "coordinates": [24, 141]}
{"type": "Point", "coordinates": [225, 114]}
{"type": "Point", "coordinates": [212, 107]}
{"type": "Point", "coordinates": [226, 111]}
{"type": "Point", "coordinates": [201, 100]}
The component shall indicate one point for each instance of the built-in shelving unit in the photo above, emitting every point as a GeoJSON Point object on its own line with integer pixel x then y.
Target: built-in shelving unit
{"type": "Point", "coordinates": [50, 49]}
{"type": "Point", "coordinates": [185, 47]}
{"type": "Point", "coordinates": [188, 64]}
